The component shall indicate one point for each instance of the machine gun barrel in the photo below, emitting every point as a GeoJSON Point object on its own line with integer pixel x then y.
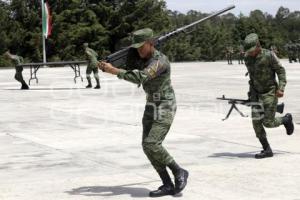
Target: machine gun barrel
{"type": "Point", "coordinates": [233, 102]}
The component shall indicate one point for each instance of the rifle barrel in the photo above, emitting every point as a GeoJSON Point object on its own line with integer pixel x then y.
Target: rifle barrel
{"type": "Point", "coordinates": [181, 29]}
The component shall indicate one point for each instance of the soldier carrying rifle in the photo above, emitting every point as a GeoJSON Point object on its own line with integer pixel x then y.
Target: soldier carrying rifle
{"type": "Point", "coordinates": [160, 109]}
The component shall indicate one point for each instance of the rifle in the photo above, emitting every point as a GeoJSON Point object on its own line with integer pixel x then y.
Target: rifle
{"type": "Point", "coordinates": [119, 58]}
{"type": "Point", "coordinates": [233, 102]}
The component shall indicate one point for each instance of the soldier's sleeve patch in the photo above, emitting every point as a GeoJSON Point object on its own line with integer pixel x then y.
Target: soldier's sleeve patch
{"type": "Point", "coordinates": [155, 68]}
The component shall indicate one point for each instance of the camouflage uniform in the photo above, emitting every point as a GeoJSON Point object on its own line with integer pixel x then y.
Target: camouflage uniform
{"type": "Point", "coordinates": [229, 52]}
{"type": "Point", "coordinates": [160, 107]}
{"type": "Point", "coordinates": [298, 50]}
{"type": "Point", "coordinates": [241, 54]}
{"type": "Point", "coordinates": [263, 87]}
{"type": "Point", "coordinates": [18, 60]}
{"type": "Point", "coordinates": [91, 57]}
{"type": "Point", "coordinates": [291, 49]}
{"type": "Point", "coordinates": [263, 66]}
{"type": "Point", "coordinates": [153, 73]}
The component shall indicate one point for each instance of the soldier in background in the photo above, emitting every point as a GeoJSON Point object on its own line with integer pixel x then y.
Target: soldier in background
{"type": "Point", "coordinates": [229, 53]}
{"type": "Point", "coordinates": [91, 57]}
{"type": "Point", "coordinates": [263, 66]}
{"type": "Point", "coordinates": [294, 52]}
{"type": "Point", "coordinates": [274, 49]}
{"type": "Point", "coordinates": [298, 50]}
{"type": "Point", "coordinates": [17, 60]}
{"type": "Point", "coordinates": [291, 49]}
{"type": "Point", "coordinates": [241, 54]}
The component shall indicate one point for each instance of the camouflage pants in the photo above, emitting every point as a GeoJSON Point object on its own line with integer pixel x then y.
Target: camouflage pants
{"type": "Point", "coordinates": [264, 113]}
{"type": "Point", "coordinates": [91, 69]}
{"type": "Point", "coordinates": [18, 75]}
{"type": "Point", "coordinates": [229, 58]}
{"type": "Point", "coordinates": [292, 57]}
{"type": "Point", "coordinates": [157, 121]}
{"type": "Point", "coordinates": [241, 59]}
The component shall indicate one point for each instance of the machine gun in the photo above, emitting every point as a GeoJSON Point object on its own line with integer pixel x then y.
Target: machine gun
{"type": "Point", "coordinates": [119, 58]}
{"type": "Point", "coordinates": [233, 102]}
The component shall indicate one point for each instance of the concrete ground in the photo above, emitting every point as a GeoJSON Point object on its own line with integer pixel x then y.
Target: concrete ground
{"type": "Point", "coordinates": [60, 141]}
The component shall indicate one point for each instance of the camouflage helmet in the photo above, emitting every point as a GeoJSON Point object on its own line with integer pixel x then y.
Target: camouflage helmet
{"type": "Point", "coordinates": [139, 37]}
{"type": "Point", "coordinates": [250, 42]}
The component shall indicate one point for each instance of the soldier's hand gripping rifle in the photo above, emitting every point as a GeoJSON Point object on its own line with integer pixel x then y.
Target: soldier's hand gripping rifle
{"type": "Point", "coordinates": [233, 102]}
{"type": "Point", "coordinates": [119, 58]}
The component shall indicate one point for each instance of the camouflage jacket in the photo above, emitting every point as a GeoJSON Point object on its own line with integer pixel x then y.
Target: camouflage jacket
{"type": "Point", "coordinates": [154, 77]}
{"type": "Point", "coordinates": [91, 57]}
{"type": "Point", "coordinates": [262, 70]}
{"type": "Point", "coordinates": [17, 60]}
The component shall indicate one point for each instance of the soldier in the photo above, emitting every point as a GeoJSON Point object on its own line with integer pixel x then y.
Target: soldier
{"type": "Point", "coordinates": [154, 76]}
{"type": "Point", "coordinates": [274, 49]}
{"type": "Point", "coordinates": [262, 66]}
{"type": "Point", "coordinates": [294, 50]}
{"type": "Point", "coordinates": [18, 60]}
{"type": "Point", "coordinates": [290, 47]}
{"type": "Point", "coordinates": [229, 52]}
{"type": "Point", "coordinates": [298, 50]}
{"type": "Point", "coordinates": [241, 54]}
{"type": "Point", "coordinates": [91, 57]}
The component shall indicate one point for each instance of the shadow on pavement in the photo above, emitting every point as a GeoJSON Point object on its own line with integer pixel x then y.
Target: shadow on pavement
{"type": "Point", "coordinates": [106, 191]}
{"type": "Point", "coordinates": [233, 155]}
{"type": "Point", "coordinates": [49, 89]}
{"type": "Point", "coordinates": [241, 155]}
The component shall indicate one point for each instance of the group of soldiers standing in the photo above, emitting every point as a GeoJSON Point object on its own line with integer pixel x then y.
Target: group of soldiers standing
{"type": "Point", "coordinates": [229, 51]}
{"type": "Point", "coordinates": [293, 50]}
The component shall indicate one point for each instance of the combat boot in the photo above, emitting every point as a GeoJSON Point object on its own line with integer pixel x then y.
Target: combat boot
{"type": "Point", "coordinates": [163, 191]}
{"type": "Point", "coordinates": [167, 188]}
{"type": "Point", "coordinates": [180, 180]}
{"type": "Point", "coordinates": [266, 152]}
{"type": "Point", "coordinates": [89, 86]}
{"type": "Point", "coordinates": [24, 86]}
{"type": "Point", "coordinates": [98, 84]}
{"type": "Point", "coordinates": [89, 82]}
{"type": "Point", "coordinates": [180, 176]}
{"type": "Point", "coordinates": [288, 123]}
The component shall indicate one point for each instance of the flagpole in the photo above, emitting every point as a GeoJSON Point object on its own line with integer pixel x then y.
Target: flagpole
{"type": "Point", "coordinates": [44, 50]}
{"type": "Point", "coordinates": [43, 36]}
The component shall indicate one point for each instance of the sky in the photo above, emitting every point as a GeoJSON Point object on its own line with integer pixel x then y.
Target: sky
{"type": "Point", "coordinates": [244, 6]}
